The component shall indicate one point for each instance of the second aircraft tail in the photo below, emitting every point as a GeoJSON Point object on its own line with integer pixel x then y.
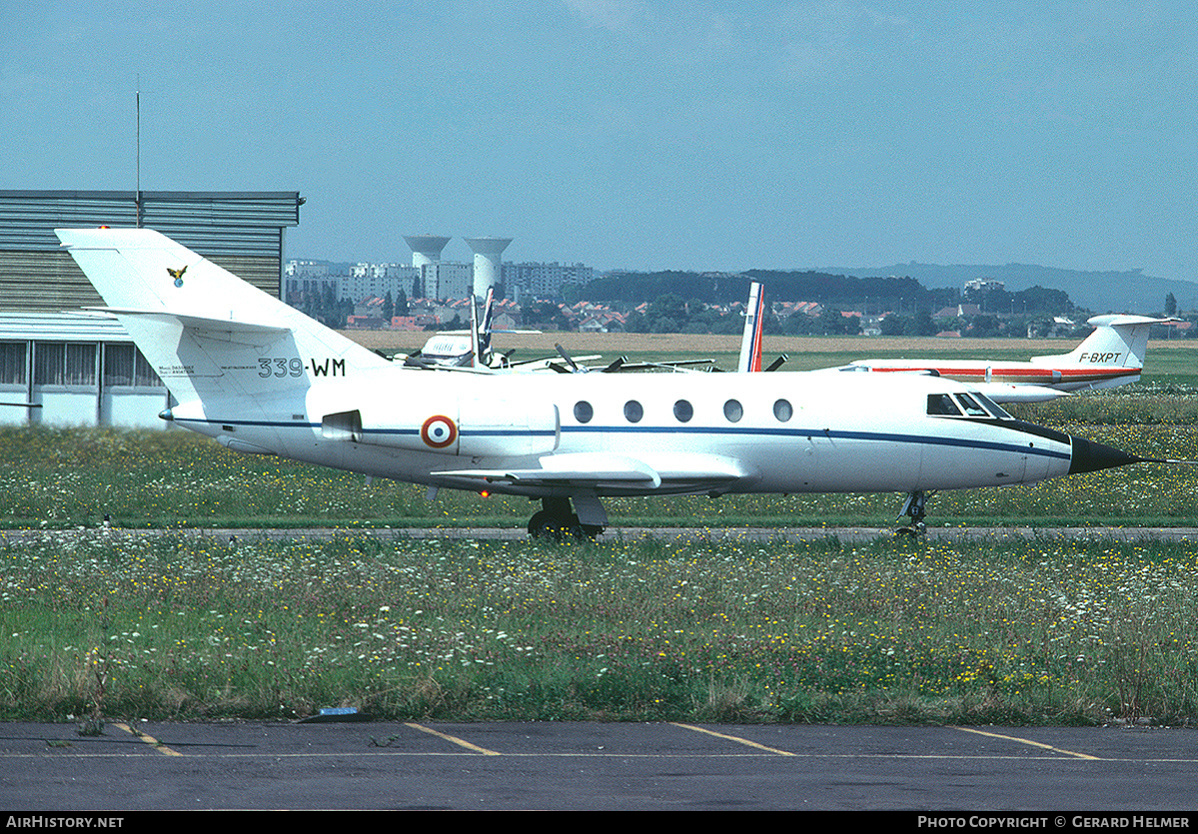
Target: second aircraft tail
{"type": "Point", "coordinates": [1117, 342]}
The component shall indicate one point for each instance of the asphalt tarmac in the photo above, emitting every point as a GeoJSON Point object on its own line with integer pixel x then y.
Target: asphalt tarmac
{"type": "Point", "coordinates": [1067, 775]}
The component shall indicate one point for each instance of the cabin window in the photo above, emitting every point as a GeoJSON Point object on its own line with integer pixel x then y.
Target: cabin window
{"type": "Point", "coordinates": [942, 405]}
{"type": "Point", "coordinates": [684, 411]}
{"type": "Point", "coordinates": [633, 411]}
{"type": "Point", "coordinates": [583, 411]}
{"type": "Point", "coordinates": [733, 410]}
{"type": "Point", "coordinates": [783, 410]}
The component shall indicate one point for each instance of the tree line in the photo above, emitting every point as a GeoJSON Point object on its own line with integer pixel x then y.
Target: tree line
{"type": "Point", "coordinates": [673, 302]}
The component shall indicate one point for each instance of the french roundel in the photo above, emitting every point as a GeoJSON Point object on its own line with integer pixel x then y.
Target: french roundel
{"type": "Point", "coordinates": [438, 431]}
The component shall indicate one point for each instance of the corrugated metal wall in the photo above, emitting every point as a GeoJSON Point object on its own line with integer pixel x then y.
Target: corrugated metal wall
{"type": "Point", "coordinates": [241, 231]}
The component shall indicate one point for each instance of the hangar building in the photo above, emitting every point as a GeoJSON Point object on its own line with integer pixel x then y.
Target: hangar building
{"type": "Point", "coordinates": [58, 367]}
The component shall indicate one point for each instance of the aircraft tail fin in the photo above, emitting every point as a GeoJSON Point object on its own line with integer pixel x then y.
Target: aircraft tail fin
{"type": "Point", "coordinates": [480, 330]}
{"type": "Point", "coordinates": [1117, 342]}
{"type": "Point", "coordinates": [750, 345]}
{"type": "Point", "coordinates": [484, 328]}
{"type": "Point", "coordinates": [205, 331]}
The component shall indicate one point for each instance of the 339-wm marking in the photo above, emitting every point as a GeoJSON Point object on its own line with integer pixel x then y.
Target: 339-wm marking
{"type": "Point", "coordinates": [281, 366]}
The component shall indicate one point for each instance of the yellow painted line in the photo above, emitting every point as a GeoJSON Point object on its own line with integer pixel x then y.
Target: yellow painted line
{"type": "Point", "coordinates": [737, 739]}
{"type": "Point", "coordinates": [150, 740]}
{"type": "Point", "coordinates": [458, 741]}
{"type": "Point", "coordinates": [1029, 742]}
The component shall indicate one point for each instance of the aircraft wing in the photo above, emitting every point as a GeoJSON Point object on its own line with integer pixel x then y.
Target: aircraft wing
{"type": "Point", "coordinates": [668, 365]}
{"type": "Point", "coordinates": [591, 470]}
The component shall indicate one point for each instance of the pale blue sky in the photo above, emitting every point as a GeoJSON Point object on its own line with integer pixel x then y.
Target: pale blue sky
{"type": "Point", "coordinates": [684, 135]}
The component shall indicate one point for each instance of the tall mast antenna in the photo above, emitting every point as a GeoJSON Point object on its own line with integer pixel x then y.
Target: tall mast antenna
{"type": "Point", "coordinates": [138, 200]}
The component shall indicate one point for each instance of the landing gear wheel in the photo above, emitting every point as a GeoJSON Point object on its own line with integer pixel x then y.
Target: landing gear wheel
{"type": "Point", "coordinates": [546, 525]}
{"type": "Point", "coordinates": [591, 531]}
{"type": "Point", "coordinates": [557, 521]}
{"type": "Point", "coordinates": [916, 508]}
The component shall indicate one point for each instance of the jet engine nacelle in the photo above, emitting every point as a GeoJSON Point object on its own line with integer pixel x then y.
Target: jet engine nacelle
{"type": "Point", "coordinates": [466, 427]}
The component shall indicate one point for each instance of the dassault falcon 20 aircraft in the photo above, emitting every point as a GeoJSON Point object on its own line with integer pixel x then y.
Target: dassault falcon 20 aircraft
{"type": "Point", "coordinates": [1112, 355]}
{"type": "Point", "coordinates": [260, 377]}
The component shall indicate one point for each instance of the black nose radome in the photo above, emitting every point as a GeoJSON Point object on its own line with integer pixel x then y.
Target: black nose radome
{"type": "Point", "coordinates": [1089, 456]}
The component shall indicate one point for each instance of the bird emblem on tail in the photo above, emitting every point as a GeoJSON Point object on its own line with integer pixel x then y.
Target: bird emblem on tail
{"type": "Point", "coordinates": [177, 274]}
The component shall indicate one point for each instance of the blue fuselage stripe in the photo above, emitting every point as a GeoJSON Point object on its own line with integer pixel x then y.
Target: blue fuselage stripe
{"type": "Point", "coordinates": [712, 431]}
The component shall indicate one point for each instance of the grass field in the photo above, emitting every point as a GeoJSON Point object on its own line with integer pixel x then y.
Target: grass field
{"type": "Point", "coordinates": [55, 479]}
{"type": "Point", "coordinates": [100, 624]}
{"type": "Point", "coordinates": [897, 631]}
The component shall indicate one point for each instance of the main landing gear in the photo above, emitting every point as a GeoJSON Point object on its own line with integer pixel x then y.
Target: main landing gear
{"type": "Point", "coordinates": [557, 521]}
{"type": "Point", "coordinates": [914, 507]}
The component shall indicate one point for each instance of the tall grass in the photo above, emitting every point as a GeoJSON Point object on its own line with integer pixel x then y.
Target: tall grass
{"type": "Point", "coordinates": [104, 624]}
{"type": "Point", "coordinates": [165, 627]}
{"type": "Point", "coordinates": [57, 479]}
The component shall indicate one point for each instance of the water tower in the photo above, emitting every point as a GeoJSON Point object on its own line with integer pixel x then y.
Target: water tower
{"type": "Point", "coordinates": [426, 249]}
{"type": "Point", "coordinates": [488, 260]}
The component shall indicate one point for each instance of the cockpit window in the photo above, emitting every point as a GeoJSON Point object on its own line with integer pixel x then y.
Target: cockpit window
{"type": "Point", "coordinates": [972, 409]}
{"type": "Point", "coordinates": [972, 404]}
{"type": "Point", "coordinates": [942, 405]}
{"type": "Point", "coordinates": [993, 407]}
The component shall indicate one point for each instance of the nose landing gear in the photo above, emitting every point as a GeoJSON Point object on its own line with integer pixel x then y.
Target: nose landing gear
{"type": "Point", "coordinates": [915, 507]}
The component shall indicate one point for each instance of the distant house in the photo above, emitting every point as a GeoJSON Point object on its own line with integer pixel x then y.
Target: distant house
{"type": "Point", "coordinates": [418, 322]}
{"type": "Point", "coordinates": [602, 321]}
{"type": "Point", "coordinates": [368, 314]}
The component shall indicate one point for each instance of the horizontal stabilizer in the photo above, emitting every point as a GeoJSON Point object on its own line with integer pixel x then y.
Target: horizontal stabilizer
{"type": "Point", "coordinates": [1118, 341]}
{"type": "Point", "coordinates": [192, 322]}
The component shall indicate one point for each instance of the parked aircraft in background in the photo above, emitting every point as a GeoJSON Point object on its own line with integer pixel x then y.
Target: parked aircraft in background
{"type": "Point", "coordinates": [261, 377]}
{"type": "Point", "coordinates": [465, 349]}
{"type": "Point", "coordinates": [1110, 356]}
{"type": "Point", "coordinates": [751, 341]}
{"type": "Point", "coordinates": [471, 350]}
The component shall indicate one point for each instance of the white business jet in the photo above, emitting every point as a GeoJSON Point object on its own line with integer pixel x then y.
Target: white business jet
{"type": "Point", "coordinates": [261, 377]}
{"type": "Point", "coordinates": [1112, 355]}
{"type": "Point", "coordinates": [470, 349]}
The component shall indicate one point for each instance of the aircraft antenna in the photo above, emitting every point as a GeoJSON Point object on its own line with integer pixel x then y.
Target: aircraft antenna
{"type": "Point", "coordinates": [137, 200]}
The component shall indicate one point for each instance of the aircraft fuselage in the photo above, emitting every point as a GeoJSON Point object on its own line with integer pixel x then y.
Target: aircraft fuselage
{"type": "Point", "coordinates": [781, 432]}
